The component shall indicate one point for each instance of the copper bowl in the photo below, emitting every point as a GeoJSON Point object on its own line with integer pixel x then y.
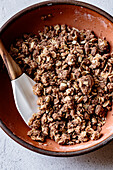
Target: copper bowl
{"type": "Point", "coordinates": [78, 14]}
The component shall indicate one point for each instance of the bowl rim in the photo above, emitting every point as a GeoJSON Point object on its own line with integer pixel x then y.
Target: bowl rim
{"type": "Point", "coordinates": [4, 127]}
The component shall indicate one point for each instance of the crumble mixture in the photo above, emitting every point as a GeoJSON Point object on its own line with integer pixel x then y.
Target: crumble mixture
{"type": "Point", "coordinates": [73, 71]}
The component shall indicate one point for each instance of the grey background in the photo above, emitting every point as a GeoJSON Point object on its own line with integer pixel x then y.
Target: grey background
{"type": "Point", "coordinates": [15, 157]}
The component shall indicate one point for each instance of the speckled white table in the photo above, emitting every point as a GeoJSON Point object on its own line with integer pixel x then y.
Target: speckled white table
{"type": "Point", "coordinates": [15, 157]}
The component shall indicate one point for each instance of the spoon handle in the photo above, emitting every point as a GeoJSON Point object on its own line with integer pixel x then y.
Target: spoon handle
{"type": "Point", "coordinates": [13, 69]}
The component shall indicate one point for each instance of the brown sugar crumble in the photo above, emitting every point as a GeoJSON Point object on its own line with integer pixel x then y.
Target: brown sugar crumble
{"type": "Point", "coordinates": [73, 71]}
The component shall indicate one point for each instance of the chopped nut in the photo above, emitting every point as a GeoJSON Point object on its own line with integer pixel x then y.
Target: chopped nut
{"type": "Point", "coordinates": [99, 110]}
{"type": "Point", "coordinates": [63, 86]}
{"type": "Point", "coordinates": [85, 84]}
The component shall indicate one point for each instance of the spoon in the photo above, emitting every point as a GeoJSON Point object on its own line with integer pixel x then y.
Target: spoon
{"type": "Point", "coordinates": [25, 100]}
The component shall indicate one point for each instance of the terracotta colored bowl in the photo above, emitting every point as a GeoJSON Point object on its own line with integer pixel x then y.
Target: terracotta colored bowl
{"type": "Point", "coordinates": [77, 14]}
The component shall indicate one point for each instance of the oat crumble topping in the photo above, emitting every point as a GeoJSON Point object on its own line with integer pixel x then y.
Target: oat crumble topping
{"type": "Point", "coordinates": [73, 71]}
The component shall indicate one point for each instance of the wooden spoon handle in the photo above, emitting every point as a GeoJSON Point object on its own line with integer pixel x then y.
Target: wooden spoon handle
{"type": "Point", "coordinates": [13, 69]}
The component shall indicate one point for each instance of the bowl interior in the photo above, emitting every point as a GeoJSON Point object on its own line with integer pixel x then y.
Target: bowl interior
{"type": "Point", "coordinates": [77, 16]}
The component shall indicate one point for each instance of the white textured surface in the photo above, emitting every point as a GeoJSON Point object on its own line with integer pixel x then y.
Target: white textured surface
{"type": "Point", "coordinates": [15, 157]}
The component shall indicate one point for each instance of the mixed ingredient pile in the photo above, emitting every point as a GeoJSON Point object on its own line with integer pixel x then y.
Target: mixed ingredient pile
{"type": "Point", "coordinates": [73, 71]}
